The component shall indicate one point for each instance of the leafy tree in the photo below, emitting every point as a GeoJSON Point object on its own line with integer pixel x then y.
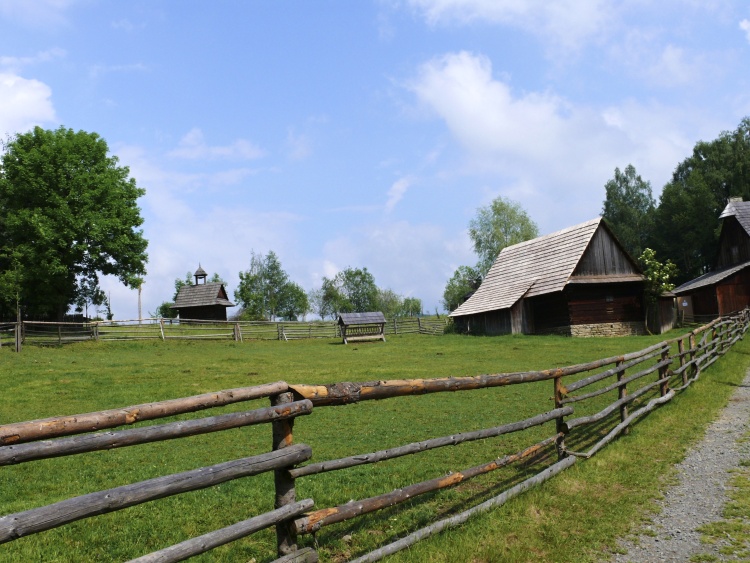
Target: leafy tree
{"type": "Point", "coordinates": [411, 306]}
{"type": "Point", "coordinates": [390, 303]}
{"type": "Point", "coordinates": [658, 276]}
{"type": "Point", "coordinates": [265, 291]}
{"type": "Point", "coordinates": [89, 293]}
{"type": "Point", "coordinates": [164, 311]}
{"type": "Point", "coordinates": [501, 223]}
{"type": "Point", "coordinates": [318, 304]}
{"type": "Point", "coordinates": [68, 214]}
{"type": "Point", "coordinates": [464, 280]}
{"type": "Point", "coordinates": [293, 302]}
{"type": "Point", "coordinates": [629, 209]}
{"type": "Point", "coordinates": [352, 290]}
{"type": "Point", "coordinates": [690, 204]}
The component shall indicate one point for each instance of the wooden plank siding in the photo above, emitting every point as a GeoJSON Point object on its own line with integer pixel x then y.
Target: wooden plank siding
{"type": "Point", "coordinates": [734, 243]}
{"type": "Point", "coordinates": [604, 256]}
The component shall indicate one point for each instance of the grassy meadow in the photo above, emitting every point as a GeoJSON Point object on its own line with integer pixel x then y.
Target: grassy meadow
{"type": "Point", "coordinates": [575, 517]}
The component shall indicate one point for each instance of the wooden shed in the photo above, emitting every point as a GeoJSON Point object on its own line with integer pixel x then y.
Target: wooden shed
{"type": "Point", "coordinates": [578, 282]}
{"type": "Point", "coordinates": [727, 288]}
{"type": "Point", "coordinates": [202, 301]}
{"type": "Point", "coordinates": [362, 326]}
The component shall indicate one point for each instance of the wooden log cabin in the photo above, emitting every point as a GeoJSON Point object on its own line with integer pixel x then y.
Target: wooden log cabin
{"type": "Point", "coordinates": [727, 288]}
{"type": "Point", "coordinates": [578, 282]}
{"type": "Point", "coordinates": [202, 301]}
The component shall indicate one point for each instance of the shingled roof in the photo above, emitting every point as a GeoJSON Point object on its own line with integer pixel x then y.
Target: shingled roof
{"type": "Point", "coordinates": [710, 278]}
{"type": "Point", "coordinates": [201, 296]}
{"type": "Point", "coordinates": [739, 209]}
{"type": "Point", "coordinates": [348, 319]}
{"type": "Point", "coordinates": [535, 267]}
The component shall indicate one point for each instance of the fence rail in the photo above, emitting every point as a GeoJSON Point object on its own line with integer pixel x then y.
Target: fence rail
{"type": "Point", "coordinates": [55, 334]}
{"type": "Point", "coordinates": [583, 425]}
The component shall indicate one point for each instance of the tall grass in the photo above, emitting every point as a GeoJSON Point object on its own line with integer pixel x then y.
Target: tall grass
{"type": "Point", "coordinates": [577, 515]}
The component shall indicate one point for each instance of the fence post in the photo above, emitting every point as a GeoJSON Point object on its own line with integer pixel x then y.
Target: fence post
{"type": "Point", "coordinates": [681, 350]}
{"type": "Point", "coordinates": [419, 325]}
{"type": "Point", "coordinates": [559, 422]}
{"type": "Point", "coordinates": [161, 327]}
{"type": "Point", "coordinates": [19, 337]}
{"type": "Point", "coordinates": [286, 534]}
{"type": "Point", "coordinates": [664, 387]}
{"type": "Point", "coordinates": [691, 343]}
{"type": "Point", "coordinates": [622, 392]}
{"type": "Point", "coordinates": [395, 326]}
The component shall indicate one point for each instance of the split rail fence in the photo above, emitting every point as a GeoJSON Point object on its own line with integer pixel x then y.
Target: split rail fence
{"type": "Point", "coordinates": [593, 403]}
{"type": "Point", "coordinates": [54, 333]}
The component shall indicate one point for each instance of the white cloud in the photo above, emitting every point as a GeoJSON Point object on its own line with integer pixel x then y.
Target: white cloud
{"type": "Point", "coordinates": [36, 13]}
{"type": "Point", "coordinates": [556, 153]}
{"type": "Point", "coordinates": [745, 26]}
{"type": "Point", "coordinates": [24, 103]}
{"type": "Point", "coordinates": [194, 146]}
{"type": "Point", "coordinates": [16, 63]}
{"type": "Point", "coordinates": [562, 23]}
{"type": "Point", "coordinates": [397, 191]}
{"type": "Point", "coordinates": [411, 259]}
{"type": "Point", "coordinates": [184, 228]}
{"type": "Point", "coordinates": [298, 145]}
{"type": "Point", "coordinates": [99, 70]}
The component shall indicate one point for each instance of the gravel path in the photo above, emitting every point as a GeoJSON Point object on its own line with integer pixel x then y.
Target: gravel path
{"type": "Point", "coordinates": [701, 493]}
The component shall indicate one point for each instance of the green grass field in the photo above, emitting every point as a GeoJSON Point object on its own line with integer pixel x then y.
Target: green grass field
{"type": "Point", "coordinates": [575, 517]}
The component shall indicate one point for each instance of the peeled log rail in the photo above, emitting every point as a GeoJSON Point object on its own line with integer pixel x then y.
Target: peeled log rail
{"type": "Point", "coordinates": [348, 392]}
{"type": "Point", "coordinates": [13, 454]}
{"type": "Point", "coordinates": [459, 519]}
{"type": "Point", "coordinates": [20, 432]}
{"type": "Point", "coordinates": [51, 516]}
{"type": "Point", "coordinates": [304, 555]}
{"type": "Point", "coordinates": [207, 542]}
{"type": "Point", "coordinates": [416, 447]}
{"type": "Point", "coordinates": [617, 384]}
{"type": "Point", "coordinates": [651, 405]}
{"type": "Point", "coordinates": [570, 424]}
{"type": "Point", "coordinates": [612, 371]}
{"type": "Point", "coordinates": [316, 520]}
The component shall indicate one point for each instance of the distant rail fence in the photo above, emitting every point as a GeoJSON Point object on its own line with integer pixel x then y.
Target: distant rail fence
{"type": "Point", "coordinates": [592, 403]}
{"type": "Point", "coordinates": [58, 333]}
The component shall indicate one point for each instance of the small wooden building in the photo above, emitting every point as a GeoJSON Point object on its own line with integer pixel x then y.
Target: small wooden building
{"type": "Point", "coordinates": [727, 288]}
{"type": "Point", "coordinates": [362, 326]}
{"type": "Point", "coordinates": [578, 282]}
{"type": "Point", "coordinates": [202, 301]}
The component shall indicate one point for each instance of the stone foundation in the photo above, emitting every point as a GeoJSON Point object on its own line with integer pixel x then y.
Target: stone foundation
{"type": "Point", "coordinates": [609, 329]}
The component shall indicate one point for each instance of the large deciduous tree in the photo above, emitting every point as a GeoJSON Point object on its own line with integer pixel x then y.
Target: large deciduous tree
{"type": "Point", "coordinates": [68, 214]}
{"type": "Point", "coordinates": [687, 222]}
{"type": "Point", "coordinates": [464, 280]}
{"type": "Point", "coordinates": [265, 291]}
{"type": "Point", "coordinates": [629, 209]}
{"type": "Point", "coordinates": [501, 223]}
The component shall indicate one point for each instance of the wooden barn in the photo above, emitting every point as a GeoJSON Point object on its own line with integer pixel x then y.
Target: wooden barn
{"type": "Point", "coordinates": [578, 282]}
{"type": "Point", "coordinates": [726, 289]}
{"type": "Point", "coordinates": [202, 301]}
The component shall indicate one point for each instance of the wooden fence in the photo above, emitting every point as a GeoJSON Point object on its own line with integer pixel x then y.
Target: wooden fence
{"type": "Point", "coordinates": [639, 380]}
{"type": "Point", "coordinates": [54, 333]}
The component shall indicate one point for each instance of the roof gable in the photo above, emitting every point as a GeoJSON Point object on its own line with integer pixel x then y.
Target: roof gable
{"type": "Point", "coordinates": [545, 265]}
{"type": "Point", "coordinates": [740, 210]}
{"type": "Point", "coordinates": [202, 295]}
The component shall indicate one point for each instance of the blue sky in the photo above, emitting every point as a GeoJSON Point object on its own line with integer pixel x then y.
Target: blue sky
{"type": "Point", "coordinates": [366, 134]}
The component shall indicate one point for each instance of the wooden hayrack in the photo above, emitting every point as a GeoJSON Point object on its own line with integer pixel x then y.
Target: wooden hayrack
{"type": "Point", "coordinates": [362, 326]}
